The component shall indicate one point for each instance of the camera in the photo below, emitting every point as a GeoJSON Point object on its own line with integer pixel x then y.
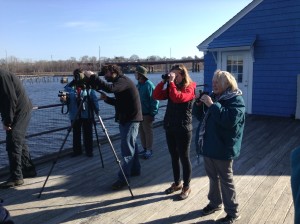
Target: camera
{"type": "Point", "coordinates": [63, 93]}
{"type": "Point", "coordinates": [201, 92]}
{"type": "Point", "coordinates": [165, 76]}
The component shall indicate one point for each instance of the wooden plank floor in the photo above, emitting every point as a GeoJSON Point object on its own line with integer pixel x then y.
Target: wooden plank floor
{"type": "Point", "coordinates": [78, 190]}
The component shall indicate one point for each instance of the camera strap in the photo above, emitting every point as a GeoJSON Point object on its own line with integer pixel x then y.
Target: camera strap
{"type": "Point", "coordinates": [62, 108]}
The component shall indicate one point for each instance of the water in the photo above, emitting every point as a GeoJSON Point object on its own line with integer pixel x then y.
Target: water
{"type": "Point", "coordinates": [44, 91]}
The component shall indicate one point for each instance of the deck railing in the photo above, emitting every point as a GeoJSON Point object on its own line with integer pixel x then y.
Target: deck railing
{"type": "Point", "coordinates": [49, 124]}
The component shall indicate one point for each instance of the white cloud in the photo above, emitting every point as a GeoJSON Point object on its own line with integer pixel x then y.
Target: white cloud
{"type": "Point", "coordinates": [82, 25]}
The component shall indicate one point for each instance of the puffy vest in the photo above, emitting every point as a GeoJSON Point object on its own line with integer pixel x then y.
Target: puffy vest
{"type": "Point", "coordinates": [178, 116]}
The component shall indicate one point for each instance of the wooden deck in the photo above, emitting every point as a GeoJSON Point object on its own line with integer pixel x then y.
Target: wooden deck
{"type": "Point", "coordinates": [78, 190]}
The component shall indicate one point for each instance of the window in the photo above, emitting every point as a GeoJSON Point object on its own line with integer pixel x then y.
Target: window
{"type": "Point", "coordinates": [235, 66]}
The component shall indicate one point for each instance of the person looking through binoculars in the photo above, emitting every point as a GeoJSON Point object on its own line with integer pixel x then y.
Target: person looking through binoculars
{"type": "Point", "coordinates": [180, 93]}
{"type": "Point", "coordinates": [76, 92]}
{"type": "Point", "coordinates": [128, 114]}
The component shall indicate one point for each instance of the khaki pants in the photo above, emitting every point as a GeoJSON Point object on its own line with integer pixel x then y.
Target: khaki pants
{"type": "Point", "coordinates": [146, 132]}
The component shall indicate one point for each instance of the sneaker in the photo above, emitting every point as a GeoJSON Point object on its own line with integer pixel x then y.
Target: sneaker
{"type": "Point", "coordinates": [173, 188]}
{"type": "Point", "coordinates": [229, 219]}
{"type": "Point", "coordinates": [11, 183]}
{"type": "Point", "coordinates": [118, 185]}
{"type": "Point", "coordinates": [142, 153]}
{"type": "Point", "coordinates": [185, 193]}
{"type": "Point", "coordinates": [209, 210]}
{"type": "Point", "coordinates": [148, 154]}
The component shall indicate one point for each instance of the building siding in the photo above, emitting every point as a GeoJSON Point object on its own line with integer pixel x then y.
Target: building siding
{"type": "Point", "coordinates": [276, 24]}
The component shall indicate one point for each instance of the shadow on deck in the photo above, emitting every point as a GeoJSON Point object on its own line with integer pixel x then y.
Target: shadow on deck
{"type": "Point", "coordinates": [78, 190]}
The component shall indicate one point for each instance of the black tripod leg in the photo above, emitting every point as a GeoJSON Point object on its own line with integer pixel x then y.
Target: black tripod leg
{"type": "Point", "coordinates": [62, 146]}
{"type": "Point", "coordinates": [98, 142]}
{"type": "Point", "coordinates": [54, 162]}
{"type": "Point", "coordinates": [115, 154]}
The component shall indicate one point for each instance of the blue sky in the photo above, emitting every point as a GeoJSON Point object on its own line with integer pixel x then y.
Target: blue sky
{"type": "Point", "coordinates": [61, 29]}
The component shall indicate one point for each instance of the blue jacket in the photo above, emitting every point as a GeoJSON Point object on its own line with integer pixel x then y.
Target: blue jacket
{"type": "Point", "coordinates": [224, 129]}
{"type": "Point", "coordinates": [73, 102]}
{"type": "Point", "coordinates": [295, 182]}
{"type": "Point", "coordinates": [149, 105]}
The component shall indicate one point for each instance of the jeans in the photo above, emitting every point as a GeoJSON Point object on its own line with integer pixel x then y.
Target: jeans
{"type": "Point", "coordinates": [129, 149]}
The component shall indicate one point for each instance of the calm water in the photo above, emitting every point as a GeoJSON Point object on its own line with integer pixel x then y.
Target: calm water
{"type": "Point", "coordinates": [44, 91]}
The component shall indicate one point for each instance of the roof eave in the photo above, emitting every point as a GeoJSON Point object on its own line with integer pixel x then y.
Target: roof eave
{"type": "Point", "coordinates": [203, 46]}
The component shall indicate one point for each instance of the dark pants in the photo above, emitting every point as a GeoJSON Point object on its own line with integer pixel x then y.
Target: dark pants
{"type": "Point", "coordinates": [179, 147]}
{"type": "Point", "coordinates": [17, 150]}
{"type": "Point", "coordinates": [87, 128]}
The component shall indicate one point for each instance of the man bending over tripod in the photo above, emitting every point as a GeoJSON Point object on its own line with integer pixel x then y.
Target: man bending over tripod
{"type": "Point", "coordinates": [128, 115]}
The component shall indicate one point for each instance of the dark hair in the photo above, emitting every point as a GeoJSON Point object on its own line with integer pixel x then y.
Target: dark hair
{"type": "Point", "coordinates": [111, 68]}
{"type": "Point", "coordinates": [77, 71]}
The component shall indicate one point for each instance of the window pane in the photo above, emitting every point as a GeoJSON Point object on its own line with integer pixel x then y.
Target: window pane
{"type": "Point", "coordinates": [235, 66]}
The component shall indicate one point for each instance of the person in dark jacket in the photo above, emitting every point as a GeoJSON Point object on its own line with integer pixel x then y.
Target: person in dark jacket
{"type": "Point", "coordinates": [180, 93]}
{"type": "Point", "coordinates": [128, 114]}
{"type": "Point", "coordinates": [79, 93]}
{"type": "Point", "coordinates": [220, 136]}
{"type": "Point", "coordinates": [295, 182]}
{"type": "Point", "coordinates": [149, 110]}
{"type": "Point", "coordinates": [15, 109]}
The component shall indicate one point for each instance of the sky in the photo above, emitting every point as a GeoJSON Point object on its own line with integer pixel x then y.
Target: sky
{"type": "Point", "coordinates": [34, 30]}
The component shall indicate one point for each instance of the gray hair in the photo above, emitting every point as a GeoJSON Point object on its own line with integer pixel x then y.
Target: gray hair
{"type": "Point", "coordinates": [226, 80]}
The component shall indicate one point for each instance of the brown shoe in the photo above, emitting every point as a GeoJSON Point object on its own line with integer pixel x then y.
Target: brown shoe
{"type": "Point", "coordinates": [173, 188]}
{"type": "Point", "coordinates": [185, 193]}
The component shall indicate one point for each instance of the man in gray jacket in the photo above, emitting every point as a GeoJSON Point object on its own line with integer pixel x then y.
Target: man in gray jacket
{"type": "Point", "coordinates": [15, 109]}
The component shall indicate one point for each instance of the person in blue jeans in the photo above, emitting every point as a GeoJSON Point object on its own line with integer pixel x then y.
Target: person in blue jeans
{"type": "Point", "coordinates": [128, 114]}
{"type": "Point", "coordinates": [79, 93]}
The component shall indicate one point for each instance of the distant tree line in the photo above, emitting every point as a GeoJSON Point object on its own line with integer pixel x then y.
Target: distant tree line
{"type": "Point", "coordinates": [29, 67]}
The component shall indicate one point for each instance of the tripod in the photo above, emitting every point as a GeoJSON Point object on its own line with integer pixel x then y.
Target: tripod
{"type": "Point", "coordinates": [108, 139]}
{"type": "Point", "coordinates": [65, 139]}
{"type": "Point", "coordinates": [115, 154]}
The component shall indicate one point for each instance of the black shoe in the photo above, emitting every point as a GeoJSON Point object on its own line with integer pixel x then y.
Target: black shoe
{"type": "Point", "coordinates": [229, 219]}
{"type": "Point", "coordinates": [74, 154]}
{"type": "Point", "coordinates": [118, 185]}
{"type": "Point", "coordinates": [29, 173]}
{"type": "Point", "coordinates": [209, 210]}
{"type": "Point", "coordinates": [11, 183]}
{"type": "Point", "coordinates": [135, 174]}
{"type": "Point", "coordinates": [90, 154]}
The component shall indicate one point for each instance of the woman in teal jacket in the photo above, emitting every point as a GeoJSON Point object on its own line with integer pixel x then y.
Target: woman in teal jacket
{"type": "Point", "coordinates": [219, 140]}
{"type": "Point", "coordinates": [78, 94]}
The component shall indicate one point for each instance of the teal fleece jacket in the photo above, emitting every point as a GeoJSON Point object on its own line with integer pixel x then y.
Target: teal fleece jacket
{"type": "Point", "coordinates": [224, 129]}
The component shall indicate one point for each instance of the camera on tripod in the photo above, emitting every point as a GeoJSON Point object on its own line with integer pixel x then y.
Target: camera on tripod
{"type": "Point", "coordinates": [63, 93]}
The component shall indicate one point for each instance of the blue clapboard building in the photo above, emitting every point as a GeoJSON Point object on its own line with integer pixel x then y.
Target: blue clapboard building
{"type": "Point", "coordinates": [261, 47]}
